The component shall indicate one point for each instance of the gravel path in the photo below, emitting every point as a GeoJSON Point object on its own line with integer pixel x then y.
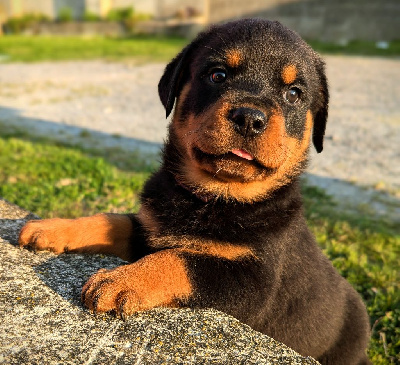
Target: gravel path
{"type": "Point", "coordinates": [118, 103]}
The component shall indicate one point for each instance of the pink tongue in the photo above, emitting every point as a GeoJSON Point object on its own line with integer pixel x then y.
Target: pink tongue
{"type": "Point", "coordinates": [242, 154]}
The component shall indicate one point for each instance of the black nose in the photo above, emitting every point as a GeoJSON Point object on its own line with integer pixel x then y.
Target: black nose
{"type": "Point", "coordinates": [247, 121]}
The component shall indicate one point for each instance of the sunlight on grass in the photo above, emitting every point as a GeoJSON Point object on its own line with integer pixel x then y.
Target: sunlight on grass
{"type": "Point", "coordinates": [139, 48]}
{"type": "Point", "coordinates": [58, 181]}
{"type": "Point", "coordinates": [56, 48]}
{"type": "Point", "coordinates": [357, 47]}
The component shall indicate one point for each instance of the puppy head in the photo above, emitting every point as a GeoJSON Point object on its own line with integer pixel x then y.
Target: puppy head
{"type": "Point", "coordinates": [249, 94]}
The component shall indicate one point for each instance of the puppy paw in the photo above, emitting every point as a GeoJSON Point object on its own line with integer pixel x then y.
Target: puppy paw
{"type": "Point", "coordinates": [157, 280]}
{"type": "Point", "coordinates": [108, 290]}
{"type": "Point", "coordinates": [44, 235]}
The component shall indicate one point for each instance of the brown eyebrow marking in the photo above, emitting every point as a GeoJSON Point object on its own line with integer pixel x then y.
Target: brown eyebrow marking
{"type": "Point", "coordinates": [233, 57]}
{"type": "Point", "coordinates": [289, 74]}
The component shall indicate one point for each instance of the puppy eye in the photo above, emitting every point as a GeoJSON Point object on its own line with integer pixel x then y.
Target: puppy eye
{"type": "Point", "coordinates": [292, 95]}
{"type": "Point", "coordinates": [218, 76]}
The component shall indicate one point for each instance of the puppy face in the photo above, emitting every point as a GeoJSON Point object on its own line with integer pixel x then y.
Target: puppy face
{"type": "Point", "coordinates": [249, 94]}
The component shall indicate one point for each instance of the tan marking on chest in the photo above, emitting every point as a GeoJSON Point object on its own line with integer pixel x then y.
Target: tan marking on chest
{"type": "Point", "coordinates": [196, 245]}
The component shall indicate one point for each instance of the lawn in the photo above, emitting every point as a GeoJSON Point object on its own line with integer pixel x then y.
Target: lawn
{"type": "Point", "coordinates": [56, 48]}
{"type": "Point", "coordinates": [52, 179]}
{"type": "Point", "coordinates": [140, 48]}
{"type": "Point", "coordinates": [360, 48]}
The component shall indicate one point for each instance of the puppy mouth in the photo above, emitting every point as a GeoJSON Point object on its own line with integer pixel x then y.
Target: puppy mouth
{"type": "Point", "coordinates": [231, 164]}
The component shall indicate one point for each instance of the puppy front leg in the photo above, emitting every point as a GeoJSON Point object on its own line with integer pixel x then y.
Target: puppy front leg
{"type": "Point", "coordinates": [175, 278]}
{"type": "Point", "coordinates": [158, 279]}
{"type": "Point", "coordinates": [110, 234]}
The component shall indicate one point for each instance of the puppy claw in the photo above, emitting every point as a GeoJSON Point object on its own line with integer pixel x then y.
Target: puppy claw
{"type": "Point", "coordinates": [120, 309]}
{"type": "Point", "coordinates": [92, 294]}
{"type": "Point", "coordinates": [127, 304]}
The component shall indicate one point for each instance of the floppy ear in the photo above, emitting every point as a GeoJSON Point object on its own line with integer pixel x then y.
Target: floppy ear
{"type": "Point", "coordinates": [170, 82]}
{"type": "Point", "coordinates": [321, 114]}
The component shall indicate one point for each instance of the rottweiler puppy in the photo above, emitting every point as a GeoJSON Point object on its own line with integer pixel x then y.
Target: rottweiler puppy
{"type": "Point", "coordinates": [221, 222]}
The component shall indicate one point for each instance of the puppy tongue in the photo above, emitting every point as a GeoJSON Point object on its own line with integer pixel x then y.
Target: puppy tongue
{"type": "Point", "coordinates": [243, 154]}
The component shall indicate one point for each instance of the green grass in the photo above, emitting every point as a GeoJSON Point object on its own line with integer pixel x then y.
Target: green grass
{"type": "Point", "coordinates": [366, 251]}
{"type": "Point", "coordinates": [362, 48]}
{"type": "Point", "coordinates": [67, 181]}
{"type": "Point", "coordinates": [54, 180]}
{"type": "Point", "coordinates": [139, 48]}
{"type": "Point", "coordinates": [56, 48]}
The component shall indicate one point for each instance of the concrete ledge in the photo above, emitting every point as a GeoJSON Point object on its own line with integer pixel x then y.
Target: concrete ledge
{"type": "Point", "coordinates": [43, 321]}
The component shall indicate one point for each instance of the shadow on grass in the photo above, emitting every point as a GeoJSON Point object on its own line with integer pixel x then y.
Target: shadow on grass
{"type": "Point", "coordinates": [124, 152]}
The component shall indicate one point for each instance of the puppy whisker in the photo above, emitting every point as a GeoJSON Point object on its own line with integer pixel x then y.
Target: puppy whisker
{"type": "Point", "coordinates": [215, 50]}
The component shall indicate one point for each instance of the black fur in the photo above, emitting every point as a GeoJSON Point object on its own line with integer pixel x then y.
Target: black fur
{"type": "Point", "coordinates": [221, 223]}
{"type": "Point", "coordinates": [291, 292]}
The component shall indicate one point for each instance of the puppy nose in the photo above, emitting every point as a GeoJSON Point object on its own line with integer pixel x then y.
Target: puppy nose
{"type": "Point", "coordinates": [247, 121]}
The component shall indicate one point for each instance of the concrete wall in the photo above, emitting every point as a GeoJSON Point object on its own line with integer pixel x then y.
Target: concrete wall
{"type": "Point", "coordinates": [19, 7]}
{"type": "Point", "coordinates": [140, 6]}
{"type": "Point", "coordinates": [329, 20]}
{"type": "Point", "coordinates": [169, 8]}
{"type": "Point", "coordinates": [99, 7]}
{"type": "Point", "coordinates": [77, 7]}
{"type": "Point", "coordinates": [51, 8]}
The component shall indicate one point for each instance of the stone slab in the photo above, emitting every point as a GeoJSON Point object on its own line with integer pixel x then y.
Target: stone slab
{"type": "Point", "coordinates": [43, 321]}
